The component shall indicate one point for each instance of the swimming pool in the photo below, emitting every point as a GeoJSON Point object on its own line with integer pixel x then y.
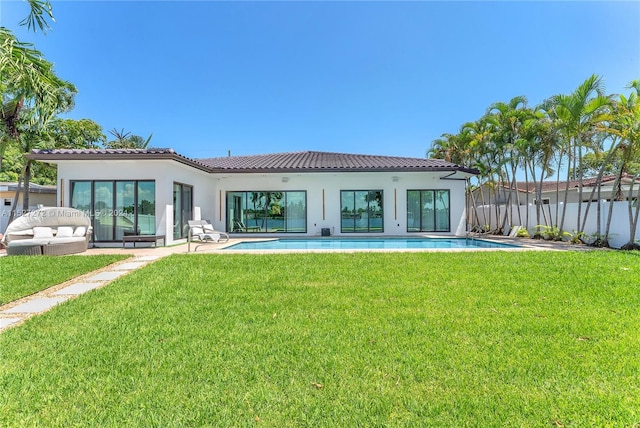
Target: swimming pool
{"type": "Point", "coordinates": [368, 243]}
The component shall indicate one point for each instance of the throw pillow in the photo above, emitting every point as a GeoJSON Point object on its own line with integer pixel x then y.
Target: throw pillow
{"type": "Point", "coordinates": [64, 232]}
{"type": "Point", "coordinates": [80, 231]}
{"type": "Point", "coordinates": [42, 232]}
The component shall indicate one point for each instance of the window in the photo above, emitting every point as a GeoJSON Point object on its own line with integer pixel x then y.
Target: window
{"type": "Point", "coordinates": [281, 212]}
{"type": "Point", "coordinates": [361, 211]}
{"type": "Point", "coordinates": [428, 211]}
{"type": "Point", "coordinates": [182, 209]}
{"type": "Point", "coordinates": [117, 208]}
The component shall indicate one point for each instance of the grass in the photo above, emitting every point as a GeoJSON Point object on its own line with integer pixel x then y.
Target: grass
{"type": "Point", "coordinates": [23, 276]}
{"type": "Point", "coordinates": [369, 339]}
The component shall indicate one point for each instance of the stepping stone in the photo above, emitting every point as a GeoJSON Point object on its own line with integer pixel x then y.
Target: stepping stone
{"type": "Point", "coordinates": [35, 305]}
{"type": "Point", "coordinates": [129, 266]}
{"type": "Point", "coordinates": [79, 288]}
{"type": "Point", "coordinates": [6, 322]}
{"type": "Point", "coordinates": [106, 276]}
{"type": "Point", "coordinates": [147, 258]}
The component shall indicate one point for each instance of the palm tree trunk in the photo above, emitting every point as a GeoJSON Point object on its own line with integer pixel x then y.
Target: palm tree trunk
{"type": "Point", "coordinates": [26, 188]}
{"type": "Point", "coordinates": [526, 186]}
{"type": "Point", "coordinates": [555, 223]}
{"type": "Point", "coordinates": [598, 183]}
{"type": "Point", "coordinates": [517, 196]}
{"type": "Point", "coordinates": [16, 196]}
{"type": "Point", "coordinates": [604, 240]}
{"type": "Point", "coordinates": [580, 184]}
{"type": "Point", "coordinates": [633, 218]}
{"type": "Point", "coordinates": [566, 198]}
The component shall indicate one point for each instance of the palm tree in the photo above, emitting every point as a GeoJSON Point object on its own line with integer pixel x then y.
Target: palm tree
{"type": "Point", "coordinates": [542, 144]}
{"type": "Point", "coordinates": [31, 95]}
{"type": "Point", "coordinates": [126, 140]}
{"type": "Point", "coordinates": [27, 81]}
{"type": "Point", "coordinates": [578, 114]}
{"type": "Point", "coordinates": [626, 126]}
{"type": "Point", "coordinates": [26, 78]}
{"type": "Point", "coordinates": [508, 120]}
{"type": "Point", "coordinates": [39, 12]}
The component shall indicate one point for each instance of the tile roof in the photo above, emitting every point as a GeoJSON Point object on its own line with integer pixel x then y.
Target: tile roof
{"type": "Point", "coordinates": [306, 161]}
{"type": "Point", "coordinates": [33, 187]}
{"type": "Point", "coordinates": [548, 186]}
{"type": "Point", "coordinates": [95, 154]}
{"type": "Point", "coordinates": [312, 161]}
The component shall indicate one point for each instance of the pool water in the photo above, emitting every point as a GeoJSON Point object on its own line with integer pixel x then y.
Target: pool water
{"type": "Point", "coordinates": [366, 243]}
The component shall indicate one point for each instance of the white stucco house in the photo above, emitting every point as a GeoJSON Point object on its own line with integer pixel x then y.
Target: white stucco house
{"type": "Point", "coordinates": [303, 194]}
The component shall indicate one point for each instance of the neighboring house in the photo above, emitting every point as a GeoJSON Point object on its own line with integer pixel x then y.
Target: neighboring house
{"type": "Point", "coordinates": [38, 195]}
{"type": "Point", "coordinates": [553, 191]}
{"type": "Point", "coordinates": [156, 191]}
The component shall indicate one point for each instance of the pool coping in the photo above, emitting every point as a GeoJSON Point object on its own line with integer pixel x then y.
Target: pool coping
{"type": "Point", "coordinates": [505, 246]}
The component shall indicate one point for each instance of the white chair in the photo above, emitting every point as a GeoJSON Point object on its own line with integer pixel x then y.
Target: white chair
{"type": "Point", "coordinates": [202, 231]}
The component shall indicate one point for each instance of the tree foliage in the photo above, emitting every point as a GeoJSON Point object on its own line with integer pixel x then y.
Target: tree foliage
{"type": "Point", "coordinates": [585, 133]}
{"type": "Point", "coordinates": [127, 140]}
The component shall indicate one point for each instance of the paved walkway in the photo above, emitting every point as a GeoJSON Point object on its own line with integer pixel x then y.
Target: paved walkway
{"type": "Point", "coordinates": [14, 313]}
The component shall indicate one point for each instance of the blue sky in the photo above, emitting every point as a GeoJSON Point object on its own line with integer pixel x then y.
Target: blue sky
{"type": "Point", "coordinates": [356, 77]}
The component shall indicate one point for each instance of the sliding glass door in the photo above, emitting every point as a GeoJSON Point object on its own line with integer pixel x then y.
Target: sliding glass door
{"type": "Point", "coordinates": [428, 211]}
{"type": "Point", "coordinates": [182, 209]}
{"type": "Point", "coordinates": [278, 212]}
{"type": "Point", "coordinates": [117, 208]}
{"type": "Point", "coordinates": [361, 211]}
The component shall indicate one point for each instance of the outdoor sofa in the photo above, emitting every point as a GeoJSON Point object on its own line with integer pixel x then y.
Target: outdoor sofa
{"type": "Point", "coordinates": [48, 231]}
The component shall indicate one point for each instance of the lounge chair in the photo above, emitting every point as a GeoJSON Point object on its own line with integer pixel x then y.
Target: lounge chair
{"type": "Point", "coordinates": [239, 226]}
{"type": "Point", "coordinates": [514, 231]}
{"type": "Point", "coordinates": [202, 231]}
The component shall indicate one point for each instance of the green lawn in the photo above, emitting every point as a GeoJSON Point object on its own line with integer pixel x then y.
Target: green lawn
{"type": "Point", "coordinates": [23, 276]}
{"type": "Point", "coordinates": [396, 339]}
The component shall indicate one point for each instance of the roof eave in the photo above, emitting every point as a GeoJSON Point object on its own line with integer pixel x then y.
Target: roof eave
{"type": "Point", "coordinates": [56, 157]}
{"type": "Point", "coordinates": [462, 171]}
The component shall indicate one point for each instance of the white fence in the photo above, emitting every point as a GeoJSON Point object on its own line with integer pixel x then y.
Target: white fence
{"type": "Point", "coordinates": [619, 231]}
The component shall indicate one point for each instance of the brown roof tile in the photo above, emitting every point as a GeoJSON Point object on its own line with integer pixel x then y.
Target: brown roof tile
{"type": "Point", "coordinates": [325, 161]}
{"type": "Point", "coordinates": [308, 161]}
{"type": "Point", "coordinates": [548, 186]}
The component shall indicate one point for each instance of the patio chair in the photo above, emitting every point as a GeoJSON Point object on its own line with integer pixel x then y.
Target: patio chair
{"type": "Point", "coordinates": [203, 232]}
{"type": "Point", "coordinates": [239, 226]}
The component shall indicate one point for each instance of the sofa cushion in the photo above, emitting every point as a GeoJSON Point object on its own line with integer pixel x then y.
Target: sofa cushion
{"type": "Point", "coordinates": [42, 232]}
{"type": "Point", "coordinates": [57, 241]}
{"type": "Point", "coordinates": [64, 232]}
{"type": "Point", "coordinates": [80, 231]}
{"type": "Point", "coordinates": [29, 242]}
{"type": "Point", "coordinates": [23, 232]}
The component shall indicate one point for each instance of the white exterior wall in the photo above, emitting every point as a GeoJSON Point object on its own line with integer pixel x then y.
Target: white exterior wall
{"type": "Point", "coordinates": [209, 192]}
{"type": "Point", "coordinates": [164, 172]}
{"type": "Point", "coordinates": [326, 214]}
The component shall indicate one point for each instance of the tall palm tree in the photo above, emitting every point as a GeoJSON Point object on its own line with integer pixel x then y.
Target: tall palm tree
{"type": "Point", "coordinates": [24, 75]}
{"type": "Point", "coordinates": [542, 144]}
{"type": "Point", "coordinates": [626, 126]}
{"type": "Point", "coordinates": [509, 120]}
{"type": "Point", "coordinates": [27, 81]}
{"type": "Point", "coordinates": [578, 113]}
{"type": "Point", "coordinates": [31, 95]}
